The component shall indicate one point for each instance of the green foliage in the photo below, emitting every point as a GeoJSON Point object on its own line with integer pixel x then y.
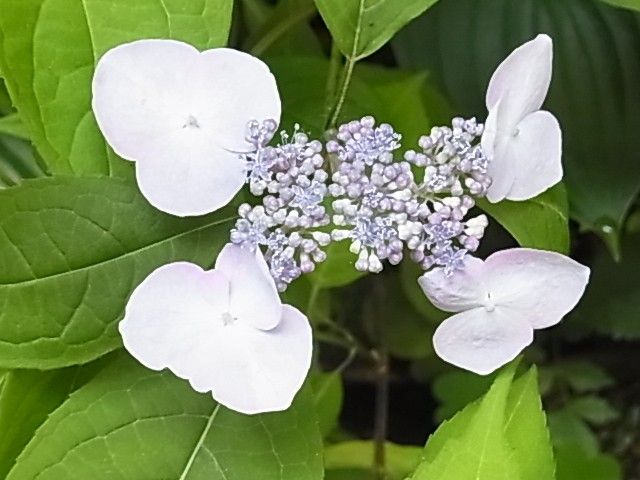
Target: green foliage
{"type": "Point", "coordinates": [600, 141]}
{"type": "Point", "coordinates": [612, 306]}
{"type": "Point", "coordinates": [12, 125]}
{"type": "Point", "coordinates": [28, 397]}
{"type": "Point", "coordinates": [355, 459]}
{"type": "Point", "coordinates": [360, 27]}
{"type": "Point", "coordinates": [503, 435]}
{"type": "Point", "coordinates": [392, 96]}
{"type": "Point", "coordinates": [327, 398]}
{"type": "Point", "coordinates": [48, 50]}
{"type": "Point", "coordinates": [542, 222]}
{"type": "Point", "coordinates": [575, 464]}
{"type": "Point", "coordinates": [130, 422]}
{"type": "Point", "coordinates": [72, 250]}
{"type": "Point", "coordinates": [631, 4]}
{"type": "Point", "coordinates": [275, 27]}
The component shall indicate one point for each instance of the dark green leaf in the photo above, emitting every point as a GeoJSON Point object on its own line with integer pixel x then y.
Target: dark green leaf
{"type": "Point", "coordinates": [631, 4]}
{"type": "Point", "coordinates": [71, 252]}
{"type": "Point", "coordinates": [542, 222]}
{"type": "Point", "coordinates": [327, 398]}
{"type": "Point", "coordinates": [360, 27]}
{"type": "Point", "coordinates": [133, 423]}
{"type": "Point", "coordinates": [12, 125]}
{"type": "Point", "coordinates": [28, 397]}
{"type": "Point", "coordinates": [575, 464]}
{"type": "Point", "coordinates": [612, 303]}
{"type": "Point", "coordinates": [596, 57]}
{"type": "Point", "coordinates": [502, 435]}
{"type": "Point", "coordinates": [285, 18]}
{"type": "Point", "coordinates": [595, 410]}
{"type": "Point", "coordinates": [48, 50]}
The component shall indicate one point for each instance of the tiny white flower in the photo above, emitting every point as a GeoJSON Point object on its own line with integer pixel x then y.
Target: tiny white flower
{"type": "Point", "coordinates": [182, 115]}
{"type": "Point", "coordinates": [501, 301]}
{"type": "Point", "coordinates": [522, 142]}
{"type": "Point", "coordinates": [224, 330]}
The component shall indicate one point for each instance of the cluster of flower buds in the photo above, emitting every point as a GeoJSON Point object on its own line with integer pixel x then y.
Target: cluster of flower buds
{"type": "Point", "coordinates": [289, 220]}
{"type": "Point", "coordinates": [377, 203]}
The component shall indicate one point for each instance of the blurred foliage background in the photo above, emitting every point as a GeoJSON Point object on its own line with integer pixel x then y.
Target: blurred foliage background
{"type": "Point", "coordinates": [436, 67]}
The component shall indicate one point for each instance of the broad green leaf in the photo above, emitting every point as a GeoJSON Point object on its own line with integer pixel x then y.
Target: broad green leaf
{"type": "Point", "coordinates": [133, 423]}
{"type": "Point", "coordinates": [526, 429]}
{"type": "Point", "coordinates": [17, 161]}
{"type": "Point", "coordinates": [360, 27]}
{"type": "Point", "coordinates": [576, 464]}
{"type": "Point", "coordinates": [569, 429]}
{"type": "Point", "coordinates": [542, 222]}
{"type": "Point", "coordinates": [407, 100]}
{"type": "Point", "coordinates": [595, 410]}
{"type": "Point", "coordinates": [612, 304]}
{"type": "Point", "coordinates": [284, 18]}
{"type": "Point", "coordinates": [596, 57]}
{"type": "Point", "coordinates": [12, 125]}
{"type": "Point", "coordinates": [327, 398]}
{"type": "Point", "coordinates": [501, 435]}
{"type": "Point", "coordinates": [480, 451]}
{"type": "Point", "coordinates": [358, 456]}
{"type": "Point", "coordinates": [631, 4]}
{"type": "Point", "coordinates": [71, 252]}
{"type": "Point", "coordinates": [26, 400]}
{"type": "Point", "coordinates": [48, 49]}
{"type": "Point", "coordinates": [581, 376]}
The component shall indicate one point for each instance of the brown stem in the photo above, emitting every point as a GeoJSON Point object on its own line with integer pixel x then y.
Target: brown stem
{"type": "Point", "coordinates": [381, 414]}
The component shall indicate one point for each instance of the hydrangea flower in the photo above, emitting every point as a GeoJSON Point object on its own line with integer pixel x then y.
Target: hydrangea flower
{"type": "Point", "coordinates": [224, 330]}
{"type": "Point", "coordinates": [499, 302]}
{"type": "Point", "coordinates": [181, 115]}
{"type": "Point", "coordinates": [522, 142]}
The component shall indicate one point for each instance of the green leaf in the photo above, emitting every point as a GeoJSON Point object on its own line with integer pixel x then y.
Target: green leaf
{"type": "Point", "coordinates": [358, 455]}
{"type": "Point", "coordinates": [542, 222]}
{"type": "Point", "coordinates": [595, 410]}
{"type": "Point", "coordinates": [407, 100]}
{"type": "Point", "coordinates": [71, 252]}
{"type": "Point", "coordinates": [596, 57]}
{"type": "Point", "coordinates": [27, 398]}
{"type": "Point", "coordinates": [360, 27]}
{"type": "Point", "coordinates": [285, 17]}
{"type": "Point", "coordinates": [631, 4]}
{"type": "Point", "coordinates": [480, 451]}
{"type": "Point", "coordinates": [327, 398]}
{"type": "Point", "coordinates": [48, 49]}
{"type": "Point", "coordinates": [569, 429]}
{"type": "Point", "coordinates": [503, 435]}
{"type": "Point", "coordinates": [581, 376]}
{"type": "Point", "coordinates": [613, 301]}
{"type": "Point", "coordinates": [526, 429]}
{"type": "Point", "coordinates": [576, 464]}
{"type": "Point", "coordinates": [12, 125]}
{"type": "Point", "coordinates": [17, 161]}
{"type": "Point", "coordinates": [130, 422]}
